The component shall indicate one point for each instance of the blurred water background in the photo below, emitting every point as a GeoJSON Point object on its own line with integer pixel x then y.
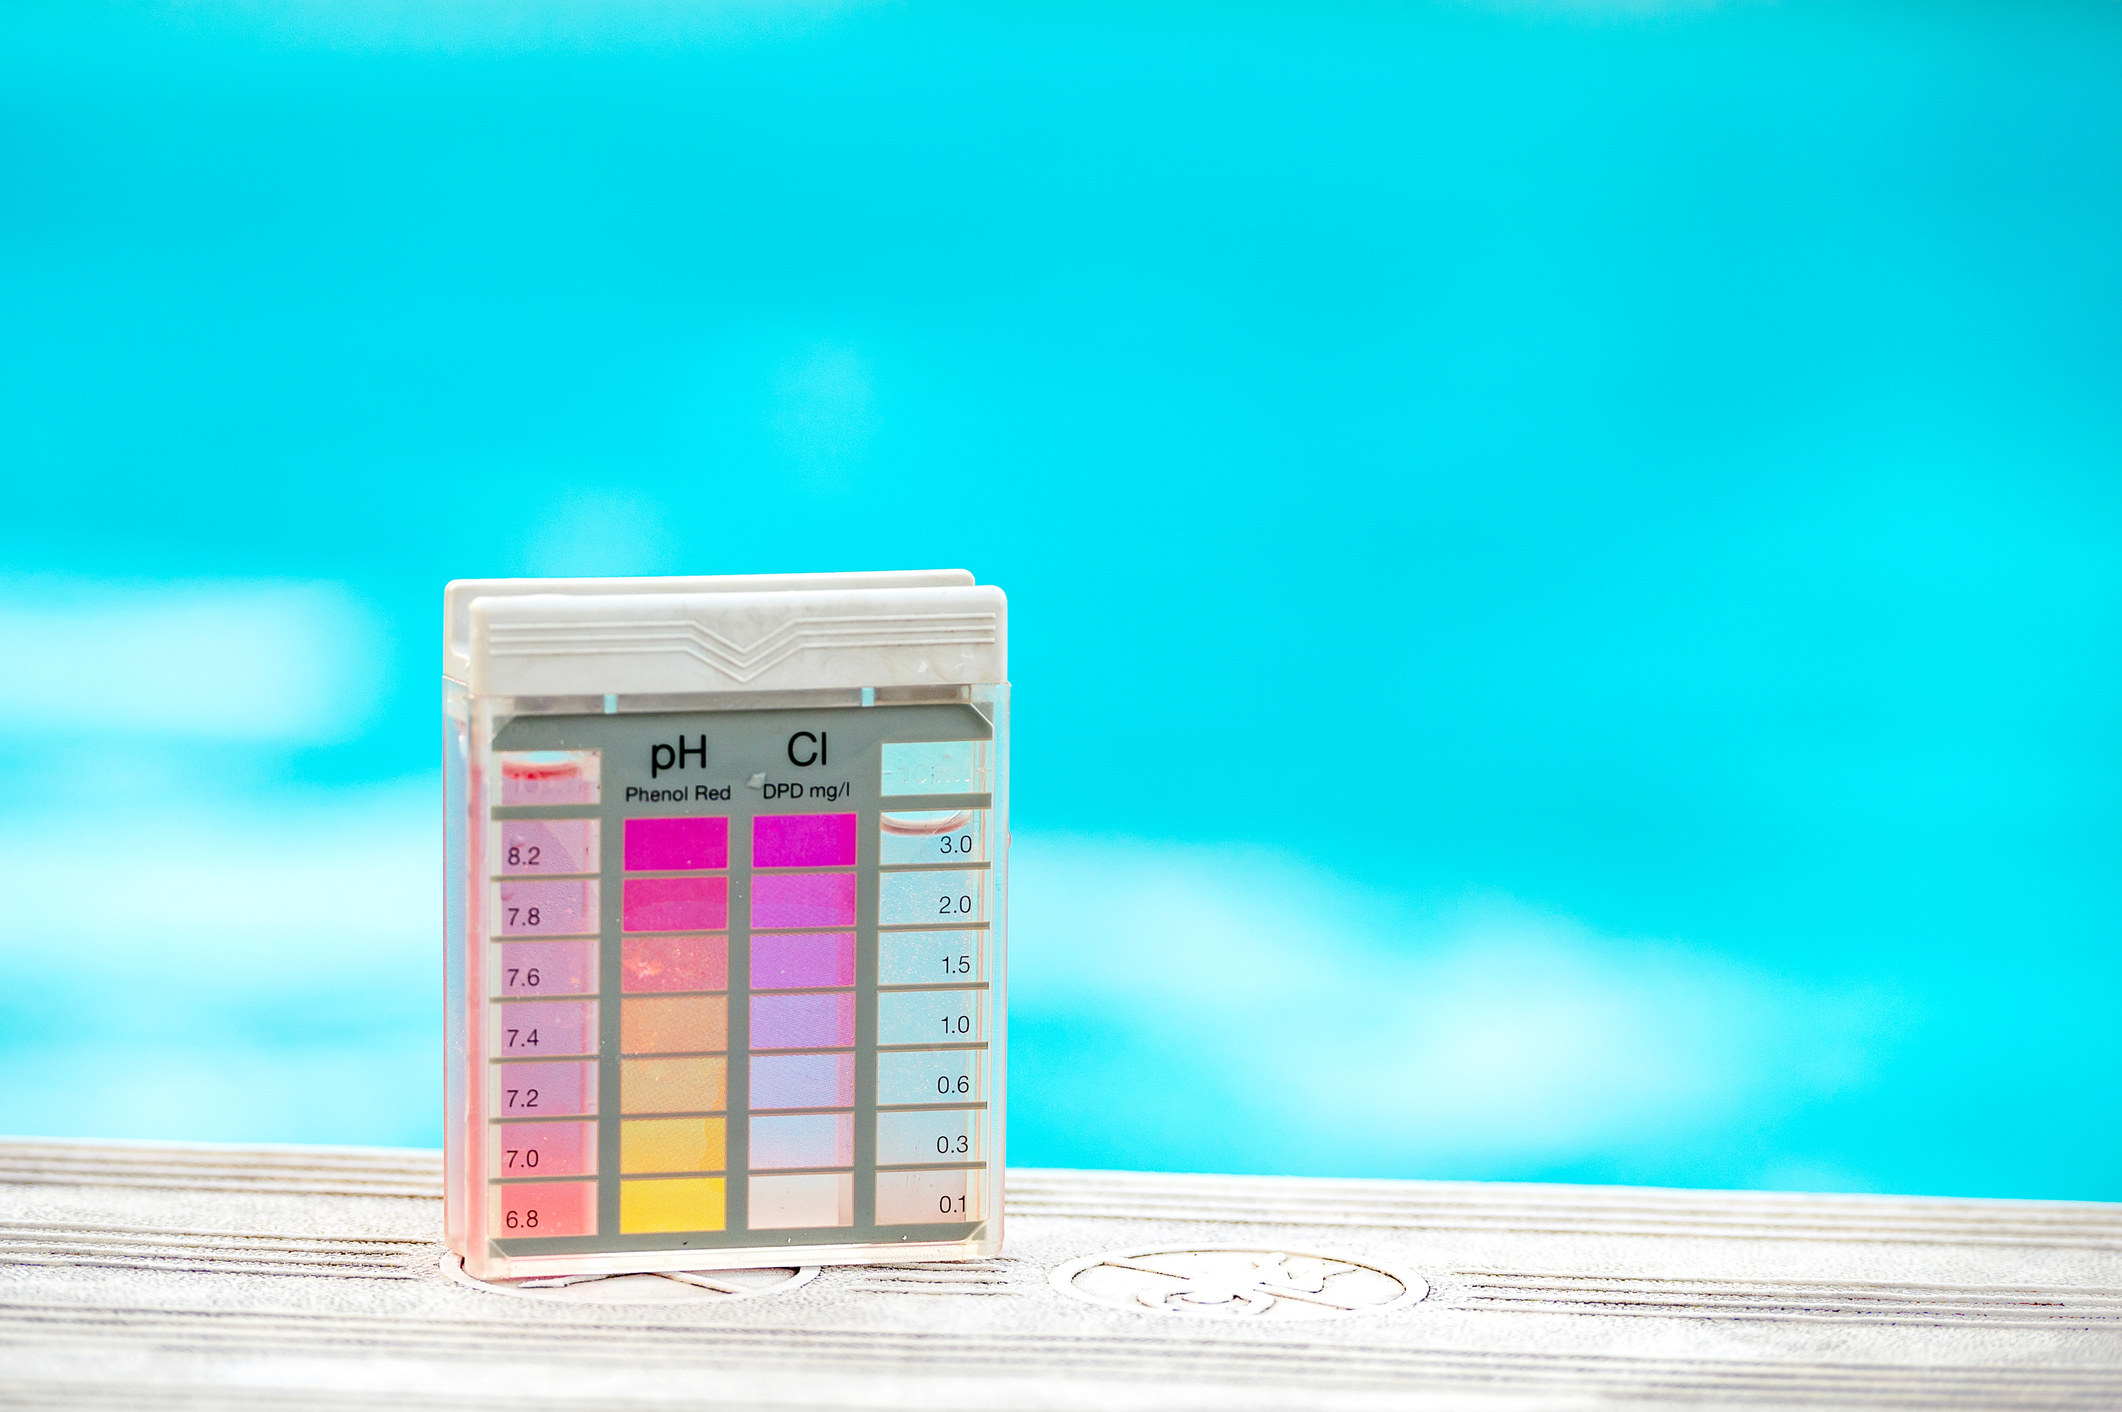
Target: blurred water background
{"type": "Point", "coordinates": [1564, 557]}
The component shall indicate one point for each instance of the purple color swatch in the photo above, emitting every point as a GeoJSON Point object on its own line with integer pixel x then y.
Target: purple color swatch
{"type": "Point", "coordinates": [803, 960]}
{"type": "Point", "coordinates": [669, 845]}
{"type": "Point", "coordinates": [803, 841]}
{"type": "Point", "coordinates": [813, 1021]}
{"type": "Point", "coordinates": [803, 1081]}
{"type": "Point", "coordinates": [675, 905]}
{"type": "Point", "coordinates": [803, 1140]}
{"type": "Point", "coordinates": [802, 899]}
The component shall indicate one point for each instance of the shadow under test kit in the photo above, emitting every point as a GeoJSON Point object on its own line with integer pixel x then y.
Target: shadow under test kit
{"type": "Point", "coordinates": [724, 921]}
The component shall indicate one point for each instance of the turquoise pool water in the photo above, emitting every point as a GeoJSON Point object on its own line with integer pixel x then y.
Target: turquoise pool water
{"type": "Point", "coordinates": [1564, 556]}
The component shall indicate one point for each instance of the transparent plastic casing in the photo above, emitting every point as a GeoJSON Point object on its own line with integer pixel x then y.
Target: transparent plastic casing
{"type": "Point", "coordinates": [724, 978]}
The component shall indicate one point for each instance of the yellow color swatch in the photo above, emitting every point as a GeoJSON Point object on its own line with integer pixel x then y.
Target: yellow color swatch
{"type": "Point", "coordinates": [681, 1204]}
{"type": "Point", "coordinates": [671, 1145]}
{"type": "Point", "coordinates": [673, 1085]}
{"type": "Point", "coordinates": [673, 1024]}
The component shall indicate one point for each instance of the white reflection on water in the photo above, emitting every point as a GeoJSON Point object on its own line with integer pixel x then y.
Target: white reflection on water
{"type": "Point", "coordinates": [271, 971]}
{"type": "Point", "coordinates": [1243, 1010]}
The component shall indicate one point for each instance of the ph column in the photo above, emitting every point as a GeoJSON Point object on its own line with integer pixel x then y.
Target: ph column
{"type": "Point", "coordinates": [674, 1026]}
{"type": "Point", "coordinates": [542, 1016]}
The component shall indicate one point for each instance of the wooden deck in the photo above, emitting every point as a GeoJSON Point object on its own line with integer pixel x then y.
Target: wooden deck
{"type": "Point", "coordinates": [148, 1275]}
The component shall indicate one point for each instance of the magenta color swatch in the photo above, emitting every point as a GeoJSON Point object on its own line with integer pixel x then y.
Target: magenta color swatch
{"type": "Point", "coordinates": [669, 845]}
{"type": "Point", "coordinates": [674, 905]}
{"type": "Point", "coordinates": [547, 968]}
{"type": "Point", "coordinates": [803, 960]}
{"type": "Point", "coordinates": [803, 1140]}
{"type": "Point", "coordinates": [813, 1021]}
{"type": "Point", "coordinates": [545, 1090]}
{"type": "Point", "coordinates": [648, 963]}
{"type": "Point", "coordinates": [533, 1031]}
{"type": "Point", "coordinates": [803, 899]}
{"type": "Point", "coordinates": [546, 908]}
{"type": "Point", "coordinates": [803, 1081]}
{"type": "Point", "coordinates": [803, 841]}
{"type": "Point", "coordinates": [546, 1150]}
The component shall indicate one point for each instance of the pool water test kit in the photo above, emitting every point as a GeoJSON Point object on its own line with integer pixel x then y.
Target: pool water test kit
{"type": "Point", "coordinates": [725, 921]}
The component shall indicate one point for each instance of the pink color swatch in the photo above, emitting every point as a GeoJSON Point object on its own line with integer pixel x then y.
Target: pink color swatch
{"type": "Point", "coordinates": [670, 845]}
{"type": "Point", "coordinates": [550, 777]}
{"type": "Point", "coordinates": [812, 1021]}
{"type": "Point", "coordinates": [649, 963]}
{"type": "Point", "coordinates": [803, 1081]}
{"type": "Point", "coordinates": [796, 1200]}
{"type": "Point", "coordinates": [545, 1090]}
{"type": "Point", "coordinates": [803, 960]}
{"type": "Point", "coordinates": [802, 900]}
{"type": "Point", "coordinates": [546, 1150]}
{"type": "Point", "coordinates": [535, 1030]}
{"type": "Point", "coordinates": [803, 841]}
{"type": "Point", "coordinates": [545, 908]}
{"type": "Point", "coordinates": [530, 1209]}
{"type": "Point", "coordinates": [676, 904]}
{"type": "Point", "coordinates": [803, 1140]}
{"type": "Point", "coordinates": [547, 968]}
{"type": "Point", "coordinates": [547, 846]}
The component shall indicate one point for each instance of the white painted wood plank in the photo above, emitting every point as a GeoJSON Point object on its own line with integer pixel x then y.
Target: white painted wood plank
{"type": "Point", "coordinates": [139, 1274]}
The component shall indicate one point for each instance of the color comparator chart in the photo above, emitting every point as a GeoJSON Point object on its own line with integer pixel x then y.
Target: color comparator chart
{"type": "Point", "coordinates": [718, 1087]}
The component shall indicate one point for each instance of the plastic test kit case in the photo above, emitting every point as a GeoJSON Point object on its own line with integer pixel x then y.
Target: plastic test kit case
{"type": "Point", "coordinates": [725, 921]}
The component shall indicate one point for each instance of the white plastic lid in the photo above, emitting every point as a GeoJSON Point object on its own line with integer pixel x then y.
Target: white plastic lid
{"type": "Point", "coordinates": [765, 632]}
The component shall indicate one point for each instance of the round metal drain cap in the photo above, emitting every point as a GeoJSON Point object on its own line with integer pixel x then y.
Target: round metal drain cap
{"type": "Point", "coordinates": [1238, 1282]}
{"type": "Point", "coordinates": [676, 1288]}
